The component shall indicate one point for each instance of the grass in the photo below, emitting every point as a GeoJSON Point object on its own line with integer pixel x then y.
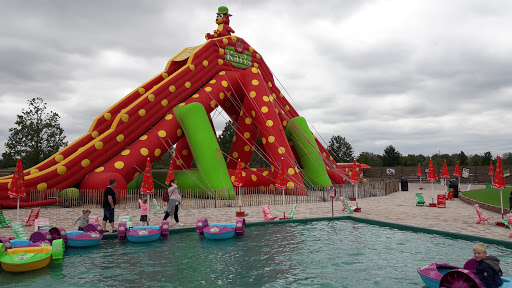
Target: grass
{"type": "Point", "coordinates": [490, 196]}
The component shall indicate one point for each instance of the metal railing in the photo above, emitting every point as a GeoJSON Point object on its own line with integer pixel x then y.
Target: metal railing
{"type": "Point", "coordinates": [198, 199]}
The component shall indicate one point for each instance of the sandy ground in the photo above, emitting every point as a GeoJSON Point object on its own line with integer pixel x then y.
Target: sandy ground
{"type": "Point", "coordinates": [398, 207]}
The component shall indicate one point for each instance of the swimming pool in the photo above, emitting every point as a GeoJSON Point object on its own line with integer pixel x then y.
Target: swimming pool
{"type": "Point", "coordinates": [339, 253]}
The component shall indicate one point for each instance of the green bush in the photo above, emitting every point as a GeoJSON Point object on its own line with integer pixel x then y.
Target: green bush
{"type": "Point", "coordinates": [69, 193]}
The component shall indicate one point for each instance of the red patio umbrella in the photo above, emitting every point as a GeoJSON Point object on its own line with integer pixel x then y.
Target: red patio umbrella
{"type": "Point", "coordinates": [499, 181]}
{"type": "Point", "coordinates": [239, 181]}
{"type": "Point", "coordinates": [491, 171]}
{"type": "Point", "coordinates": [444, 172]}
{"type": "Point", "coordinates": [17, 188]}
{"type": "Point", "coordinates": [418, 173]}
{"type": "Point", "coordinates": [147, 187]}
{"type": "Point", "coordinates": [432, 176]}
{"type": "Point", "coordinates": [281, 181]}
{"type": "Point", "coordinates": [457, 173]}
{"type": "Point", "coordinates": [170, 174]}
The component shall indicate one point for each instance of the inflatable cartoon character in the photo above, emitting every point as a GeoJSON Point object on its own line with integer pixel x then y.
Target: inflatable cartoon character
{"type": "Point", "coordinates": [223, 20]}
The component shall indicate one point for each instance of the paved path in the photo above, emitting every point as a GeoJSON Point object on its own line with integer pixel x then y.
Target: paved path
{"type": "Point", "coordinates": [398, 207]}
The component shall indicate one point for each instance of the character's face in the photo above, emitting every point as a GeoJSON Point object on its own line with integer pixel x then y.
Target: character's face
{"type": "Point", "coordinates": [219, 18]}
{"type": "Point", "coordinates": [479, 255]}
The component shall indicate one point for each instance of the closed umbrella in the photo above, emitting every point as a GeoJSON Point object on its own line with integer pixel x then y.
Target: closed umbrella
{"type": "Point", "coordinates": [281, 181]}
{"type": "Point", "coordinates": [432, 176]}
{"type": "Point", "coordinates": [170, 174]}
{"type": "Point", "coordinates": [147, 187]}
{"type": "Point", "coordinates": [499, 181]}
{"type": "Point", "coordinates": [17, 188]}
{"type": "Point", "coordinates": [444, 173]}
{"type": "Point", "coordinates": [457, 173]}
{"type": "Point", "coordinates": [239, 181]}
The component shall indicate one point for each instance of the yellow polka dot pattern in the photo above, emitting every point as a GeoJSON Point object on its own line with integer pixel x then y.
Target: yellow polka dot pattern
{"type": "Point", "coordinates": [253, 114]}
{"type": "Point", "coordinates": [164, 102]}
{"type": "Point", "coordinates": [162, 133]}
{"type": "Point", "coordinates": [252, 94]}
{"type": "Point", "coordinates": [120, 138]}
{"type": "Point", "coordinates": [235, 154]}
{"type": "Point", "coordinates": [142, 91]}
{"type": "Point", "coordinates": [42, 186]}
{"type": "Point", "coordinates": [224, 83]}
{"type": "Point", "coordinates": [205, 63]}
{"type": "Point", "coordinates": [254, 178]}
{"type": "Point", "coordinates": [168, 117]}
{"type": "Point", "coordinates": [59, 158]}
{"type": "Point", "coordinates": [158, 152]}
{"type": "Point", "coordinates": [119, 164]}
{"type": "Point", "coordinates": [107, 116]}
{"type": "Point", "coordinates": [251, 49]}
{"type": "Point", "coordinates": [221, 51]}
{"type": "Point", "coordinates": [136, 175]}
{"type": "Point", "coordinates": [233, 38]}
{"type": "Point", "coordinates": [269, 84]}
{"type": "Point", "coordinates": [184, 152]}
{"type": "Point", "coordinates": [98, 145]}
{"type": "Point", "coordinates": [265, 98]}
{"type": "Point", "coordinates": [255, 82]}
{"type": "Point", "coordinates": [220, 61]}
{"type": "Point", "coordinates": [263, 140]}
{"type": "Point", "coordinates": [265, 173]}
{"type": "Point", "coordinates": [142, 112]}
{"type": "Point", "coordinates": [95, 134]}
{"type": "Point", "coordinates": [291, 171]}
{"type": "Point", "coordinates": [99, 169]}
{"type": "Point", "coordinates": [34, 171]}
{"type": "Point", "coordinates": [85, 162]}
{"type": "Point", "coordinates": [213, 103]}
{"type": "Point", "coordinates": [179, 132]}
{"type": "Point", "coordinates": [247, 135]}
{"type": "Point", "coordinates": [188, 85]}
{"type": "Point", "coordinates": [143, 137]}
{"type": "Point", "coordinates": [247, 148]}
{"type": "Point", "coordinates": [61, 170]}
{"type": "Point", "coordinates": [225, 41]}
{"type": "Point", "coordinates": [125, 152]}
{"type": "Point", "coordinates": [165, 75]}
{"type": "Point", "coordinates": [271, 139]}
{"type": "Point", "coordinates": [207, 89]}
{"type": "Point", "coordinates": [192, 67]}
{"type": "Point", "coordinates": [125, 117]}
{"type": "Point", "coordinates": [144, 151]}
{"type": "Point", "coordinates": [290, 185]}
{"type": "Point", "coordinates": [248, 120]}
{"type": "Point", "coordinates": [264, 109]}
{"type": "Point", "coordinates": [221, 95]}
{"type": "Point", "coordinates": [172, 88]}
{"type": "Point", "coordinates": [270, 123]}
{"type": "Point", "coordinates": [281, 150]}
{"type": "Point", "coordinates": [254, 70]}
{"type": "Point", "coordinates": [285, 123]}
{"type": "Point", "coordinates": [151, 97]}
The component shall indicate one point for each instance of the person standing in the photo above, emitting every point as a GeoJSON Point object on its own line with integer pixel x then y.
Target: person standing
{"type": "Point", "coordinates": [174, 201]}
{"type": "Point", "coordinates": [109, 203]}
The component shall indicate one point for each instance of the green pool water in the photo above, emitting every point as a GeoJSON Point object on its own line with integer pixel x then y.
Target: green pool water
{"type": "Point", "coordinates": [340, 253]}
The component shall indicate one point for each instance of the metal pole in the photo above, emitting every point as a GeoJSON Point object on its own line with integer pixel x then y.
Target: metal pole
{"type": "Point", "coordinates": [501, 199]}
{"type": "Point", "coordinates": [18, 216]}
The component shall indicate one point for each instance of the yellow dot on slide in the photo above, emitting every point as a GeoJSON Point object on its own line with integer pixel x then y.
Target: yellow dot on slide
{"type": "Point", "coordinates": [256, 65]}
{"type": "Point", "coordinates": [241, 112]}
{"type": "Point", "coordinates": [99, 169]}
{"type": "Point", "coordinates": [281, 150]}
{"type": "Point", "coordinates": [34, 171]}
{"type": "Point", "coordinates": [151, 97]}
{"type": "Point", "coordinates": [142, 112]}
{"type": "Point", "coordinates": [224, 83]}
{"type": "Point", "coordinates": [255, 82]}
{"type": "Point", "coordinates": [120, 138]}
{"type": "Point", "coordinates": [235, 154]}
{"type": "Point", "coordinates": [290, 185]}
{"type": "Point", "coordinates": [291, 171]}
{"type": "Point", "coordinates": [192, 67]}
{"type": "Point", "coordinates": [85, 162]}
{"type": "Point", "coordinates": [220, 61]}
{"type": "Point", "coordinates": [184, 152]}
{"type": "Point", "coordinates": [247, 148]}
{"type": "Point", "coordinates": [247, 135]}
{"type": "Point", "coordinates": [95, 134]}
{"type": "Point", "coordinates": [42, 186]}
{"type": "Point", "coordinates": [221, 95]}
{"type": "Point", "coordinates": [265, 173]}
{"type": "Point", "coordinates": [254, 178]}
{"type": "Point", "coordinates": [253, 114]}
{"type": "Point", "coordinates": [165, 75]}
{"type": "Point", "coordinates": [252, 94]}
{"type": "Point", "coordinates": [243, 173]}
{"type": "Point", "coordinates": [195, 96]}
{"type": "Point", "coordinates": [98, 145]}
{"type": "Point", "coordinates": [222, 72]}
{"type": "Point", "coordinates": [269, 84]}
{"type": "Point", "coordinates": [234, 138]}
{"type": "Point", "coordinates": [263, 140]}
{"type": "Point", "coordinates": [158, 152]}
{"type": "Point", "coordinates": [264, 109]}
{"type": "Point", "coordinates": [143, 137]}
{"type": "Point", "coordinates": [188, 84]}
{"type": "Point", "coordinates": [232, 178]}
{"type": "Point", "coordinates": [59, 158]}
{"type": "Point", "coordinates": [107, 116]}
{"type": "Point", "coordinates": [213, 103]}
{"type": "Point", "coordinates": [271, 98]}
{"type": "Point", "coordinates": [233, 38]}
{"type": "Point", "coordinates": [254, 70]}
{"type": "Point", "coordinates": [162, 133]}
{"type": "Point", "coordinates": [205, 63]}
{"type": "Point", "coordinates": [125, 117]}
{"type": "Point", "coordinates": [265, 98]}
{"type": "Point", "coordinates": [271, 139]}
{"type": "Point", "coordinates": [144, 151]}
{"type": "Point", "coordinates": [221, 51]}
{"type": "Point", "coordinates": [208, 89]}
{"type": "Point", "coordinates": [172, 88]}
{"type": "Point", "coordinates": [285, 123]}
{"type": "Point", "coordinates": [119, 165]}
{"type": "Point", "coordinates": [253, 169]}
{"type": "Point", "coordinates": [251, 49]}
{"type": "Point", "coordinates": [325, 155]}
{"type": "Point", "coordinates": [272, 186]}
{"type": "Point", "coordinates": [225, 41]}
{"type": "Point", "coordinates": [258, 56]}
{"type": "Point", "coordinates": [270, 123]}
{"type": "Point", "coordinates": [168, 117]}
{"type": "Point", "coordinates": [125, 152]}
{"type": "Point", "coordinates": [61, 170]}
{"type": "Point", "coordinates": [164, 102]}
{"type": "Point", "coordinates": [277, 111]}
{"type": "Point", "coordinates": [281, 94]}
{"type": "Point", "coordinates": [242, 164]}
{"type": "Point", "coordinates": [182, 104]}
{"type": "Point", "coordinates": [287, 107]}
{"type": "Point", "coordinates": [179, 132]}
{"type": "Point", "coordinates": [248, 120]}
{"type": "Point", "coordinates": [179, 162]}
{"type": "Point", "coordinates": [136, 175]}
{"type": "Point", "coordinates": [142, 91]}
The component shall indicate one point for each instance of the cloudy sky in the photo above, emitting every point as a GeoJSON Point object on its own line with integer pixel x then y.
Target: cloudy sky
{"type": "Point", "coordinates": [425, 76]}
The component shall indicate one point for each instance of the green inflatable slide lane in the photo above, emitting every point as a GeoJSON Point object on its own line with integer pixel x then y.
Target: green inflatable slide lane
{"type": "Point", "coordinates": [212, 171]}
{"type": "Point", "coordinates": [313, 166]}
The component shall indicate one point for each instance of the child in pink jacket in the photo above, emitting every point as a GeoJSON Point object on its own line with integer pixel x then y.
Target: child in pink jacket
{"type": "Point", "coordinates": [144, 211]}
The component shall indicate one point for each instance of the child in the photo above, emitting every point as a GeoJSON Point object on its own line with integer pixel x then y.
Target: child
{"type": "Point", "coordinates": [144, 211]}
{"type": "Point", "coordinates": [83, 219]}
{"type": "Point", "coordinates": [488, 269]}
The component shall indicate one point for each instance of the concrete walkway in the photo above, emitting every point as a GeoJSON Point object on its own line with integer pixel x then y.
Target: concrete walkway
{"type": "Point", "coordinates": [398, 207]}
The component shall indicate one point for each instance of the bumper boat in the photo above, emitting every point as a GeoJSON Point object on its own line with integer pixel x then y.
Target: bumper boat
{"type": "Point", "coordinates": [438, 275]}
{"type": "Point", "coordinates": [143, 233]}
{"type": "Point", "coordinates": [28, 258]}
{"type": "Point", "coordinates": [220, 230]}
{"type": "Point", "coordinates": [91, 236]}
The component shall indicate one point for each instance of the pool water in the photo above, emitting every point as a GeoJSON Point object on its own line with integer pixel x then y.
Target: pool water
{"type": "Point", "coordinates": [339, 253]}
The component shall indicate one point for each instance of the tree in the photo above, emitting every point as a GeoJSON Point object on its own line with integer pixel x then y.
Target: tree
{"type": "Point", "coordinates": [391, 157]}
{"type": "Point", "coordinates": [506, 158]}
{"type": "Point", "coordinates": [372, 159]}
{"type": "Point", "coordinates": [37, 135]}
{"type": "Point", "coordinates": [476, 160]}
{"type": "Point", "coordinates": [487, 157]}
{"type": "Point", "coordinates": [226, 138]}
{"type": "Point", "coordinates": [340, 149]}
{"type": "Point", "coordinates": [462, 158]}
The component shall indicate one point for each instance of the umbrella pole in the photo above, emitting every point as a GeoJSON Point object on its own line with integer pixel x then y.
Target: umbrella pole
{"type": "Point", "coordinates": [240, 197]}
{"type": "Point", "coordinates": [432, 191]}
{"type": "Point", "coordinates": [501, 198]}
{"type": "Point", "coordinates": [283, 197]}
{"type": "Point", "coordinates": [18, 215]}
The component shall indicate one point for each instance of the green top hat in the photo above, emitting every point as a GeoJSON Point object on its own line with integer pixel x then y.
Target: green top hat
{"type": "Point", "coordinates": [223, 10]}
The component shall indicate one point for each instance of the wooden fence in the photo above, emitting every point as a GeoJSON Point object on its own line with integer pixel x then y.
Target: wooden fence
{"type": "Point", "coordinates": [194, 199]}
